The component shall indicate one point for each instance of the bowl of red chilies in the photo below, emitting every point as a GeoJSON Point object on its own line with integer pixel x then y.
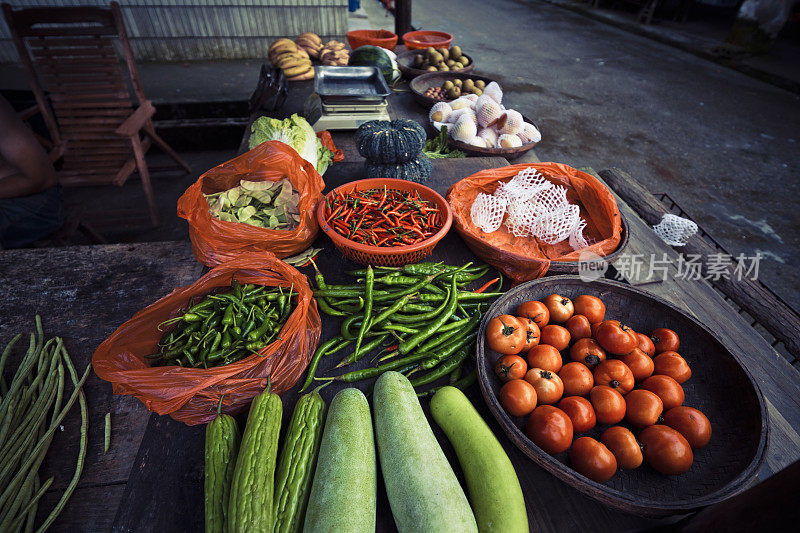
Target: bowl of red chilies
{"type": "Point", "coordinates": [384, 222]}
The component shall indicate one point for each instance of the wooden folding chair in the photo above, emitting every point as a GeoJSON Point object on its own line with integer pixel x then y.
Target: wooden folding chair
{"type": "Point", "coordinates": [68, 54]}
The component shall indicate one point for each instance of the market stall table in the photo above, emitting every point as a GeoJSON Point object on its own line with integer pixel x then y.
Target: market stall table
{"type": "Point", "coordinates": [151, 478]}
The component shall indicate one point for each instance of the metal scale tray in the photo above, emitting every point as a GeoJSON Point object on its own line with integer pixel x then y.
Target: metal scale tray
{"type": "Point", "coordinates": [349, 85]}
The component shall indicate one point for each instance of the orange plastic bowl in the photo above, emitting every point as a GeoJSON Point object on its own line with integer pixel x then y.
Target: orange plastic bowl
{"type": "Point", "coordinates": [382, 38]}
{"type": "Point", "coordinates": [393, 255]}
{"type": "Point", "coordinates": [416, 40]}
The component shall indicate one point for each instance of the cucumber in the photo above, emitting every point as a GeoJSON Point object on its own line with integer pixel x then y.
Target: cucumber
{"type": "Point", "coordinates": [222, 446]}
{"type": "Point", "coordinates": [344, 493]}
{"type": "Point", "coordinates": [494, 489]}
{"type": "Point", "coordinates": [296, 464]}
{"type": "Point", "coordinates": [252, 489]}
{"type": "Point", "coordinates": [423, 491]}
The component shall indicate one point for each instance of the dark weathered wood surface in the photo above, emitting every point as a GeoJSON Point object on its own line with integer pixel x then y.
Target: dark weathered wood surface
{"type": "Point", "coordinates": [776, 316]}
{"type": "Point", "coordinates": [83, 293]}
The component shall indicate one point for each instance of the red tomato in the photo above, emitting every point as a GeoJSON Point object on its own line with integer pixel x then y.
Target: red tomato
{"type": "Point", "coordinates": [591, 307]}
{"type": "Point", "coordinates": [642, 408]}
{"type": "Point", "coordinates": [560, 307]}
{"type": "Point", "coordinates": [588, 352]}
{"type": "Point", "coordinates": [548, 385]}
{"type": "Point", "coordinates": [691, 423]}
{"type": "Point", "coordinates": [594, 329]}
{"type": "Point", "coordinates": [646, 345]}
{"type": "Point", "coordinates": [608, 403]}
{"type": "Point", "coordinates": [510, 367]}
{"type": "Point", "coordinates": [556, 336]}
{"type": "Point", "coordinates": [546, 357]}
{"type": "Point", "coordinates": [665, 340]}
{"type": "Point", "coordinates": [624, 446]}
{"type": "Point", "coordinates": [641, 366]}
{"type": "Point", "coordinates": [666, 450]}
{"type": "Point", "coordinates": [577, 378]}
{"type": "Point", "coordinates": [550, 429]}
{"type": "Point", "coordinates": [673, 365]}
{"type": "Point", "coordinates": [504, 334]}
{"type": "Point", "coordinates": [580, 411]}
{"type": "Point", "coordinates": [536, 311]}
{"type": "Point", "coordinates": [616, 338]}
{"type": "Point", "coordinates": [666, 388]}
{"type": "Point", "coordinates": [532, 333]}
{"type": "Point", "coordinates": [578, 327]}
{"type": "Point", "coordinates": [518, 397]}
{"type": "Point", "coordinates": [592, 459]}
{"type": "Point", "coordinates": [615, 374]}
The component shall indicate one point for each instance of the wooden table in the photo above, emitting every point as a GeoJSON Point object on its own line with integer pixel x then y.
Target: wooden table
{"type": "Point", "coordinates": [151, 479]}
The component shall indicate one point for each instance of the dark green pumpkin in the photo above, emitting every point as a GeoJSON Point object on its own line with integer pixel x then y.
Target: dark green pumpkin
{"type": "Point", "coordinates": [390, 142]}
{"type": "Point", "coordinates": [418, 169]}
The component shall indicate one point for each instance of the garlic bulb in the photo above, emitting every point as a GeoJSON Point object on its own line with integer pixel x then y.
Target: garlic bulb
{"type": "Point", "coordinates": [529, 133]}
{"type": "Point", "coordinates": [463, 102]}
{"type": "Point", "coordinates": [489, 135]}
{"type": "Point", "coordinates": [508, 141]}
{"type": "Point", "coordinates": [460, 103]}
{"type": "Point", "coordinates": [439, 112]}
{"type": "Point", "coordinates": [477, 141]}
{"type": "Point", "coordinates": [510, 123]}
{"type": "Point", "coordinates": [494, 91]}
{"type": "Point", "coordinates": [464, 129]}
{"type": "Point", "coordinates": [487, 111]}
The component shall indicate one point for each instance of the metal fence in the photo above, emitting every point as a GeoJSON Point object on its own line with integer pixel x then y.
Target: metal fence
{"type": "Point", "coordinates": [175, 30]}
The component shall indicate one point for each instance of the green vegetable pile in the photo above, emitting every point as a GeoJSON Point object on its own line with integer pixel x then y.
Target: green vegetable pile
{"type": "Point", "coordinates": [33, 408]}
{"type": "Point", "coordinates": [418, 315]}
{"type": "Point", "coordinates": [437, 148]}
{"type": "Point", "coordinates": [326, 479]}
{"type": "Point", "coordinates": [297, 133]}
{"type": "Point", "coordinates": [224, 327]}
{"type": "Point", "coordinates": [248, 487]}
{"type": "Point", "coordinates": [264, 204]}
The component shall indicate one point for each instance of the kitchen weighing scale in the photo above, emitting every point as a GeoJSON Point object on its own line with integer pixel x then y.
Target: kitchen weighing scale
{"type": "Point", "coordinates": [346, 97]}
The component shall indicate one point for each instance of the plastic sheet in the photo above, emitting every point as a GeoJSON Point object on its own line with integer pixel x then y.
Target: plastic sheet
{"type": "Point", "coordinates": [191, 395]}
{"type": "Point", "coordinates": [526, 258]}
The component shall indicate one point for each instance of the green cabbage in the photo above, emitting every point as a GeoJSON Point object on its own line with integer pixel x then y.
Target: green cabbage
{"type": "Point", "coordinates": [297, 133]}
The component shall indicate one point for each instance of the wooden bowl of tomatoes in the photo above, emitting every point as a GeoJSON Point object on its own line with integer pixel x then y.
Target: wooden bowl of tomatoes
{"type": "Point", "coordinates": [621, 394]}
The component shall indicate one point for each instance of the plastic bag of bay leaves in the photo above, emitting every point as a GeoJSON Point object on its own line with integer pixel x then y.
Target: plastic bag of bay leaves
{"type": "Point", "coordinates": [215, 241]}
{"type": "Point", "coordinates": [191, 395]}
{"type": "Point", "coordinates": [523, 259]}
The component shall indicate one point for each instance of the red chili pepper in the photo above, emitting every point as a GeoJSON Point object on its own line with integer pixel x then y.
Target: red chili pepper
{"type": "Point", "coordinates": [488, 284]}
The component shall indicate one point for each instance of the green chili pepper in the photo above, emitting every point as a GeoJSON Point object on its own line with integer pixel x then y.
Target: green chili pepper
{"type": "Point", "coordinates": [407, 345]}
{"type": "Point", "coordinates": [355, 355]}
{"type": "Point", "coordinates": [368, 285]}
{"type": "Point", "coordinates": [445, 368]}
{"type": "Point", "coordinates": [260, 331]}
{"type": "Point", "coordinates": [312, 365]}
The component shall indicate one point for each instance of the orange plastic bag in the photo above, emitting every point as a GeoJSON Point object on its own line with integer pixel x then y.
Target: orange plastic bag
{"type": "Point", "coordinates": [327, 141]}
{"type": "Point", "coordinates": [191, 395]}
{"type": "Point", "coordinates": [215, 241]}
{"type": "Point", "coordinates": [524, 259]}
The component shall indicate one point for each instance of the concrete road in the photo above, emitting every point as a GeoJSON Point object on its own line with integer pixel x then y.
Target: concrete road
{"type": "Point", "coordinates": [725, 146]}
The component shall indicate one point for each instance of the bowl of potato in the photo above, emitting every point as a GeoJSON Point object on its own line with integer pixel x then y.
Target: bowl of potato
{"type": "Point", "coordinates": [417, 62]}
{"type": "Point", "coordinates": [433, 87]}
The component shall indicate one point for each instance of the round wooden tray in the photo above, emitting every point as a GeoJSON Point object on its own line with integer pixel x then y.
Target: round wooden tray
{"type": "Point", "coordinates": [406, 59]}
{"type": "Point", "coordinates": [427, 80]}
{"type": "Point", "coordinates": [720, 387]}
